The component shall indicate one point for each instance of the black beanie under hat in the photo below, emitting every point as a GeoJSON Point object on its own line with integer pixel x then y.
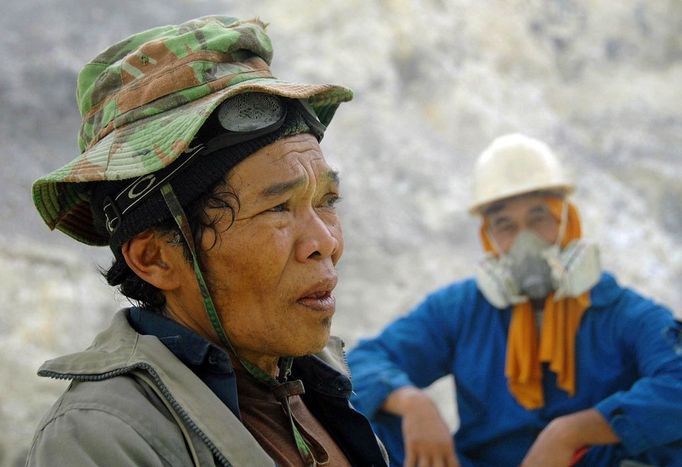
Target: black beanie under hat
{"type": "Point", "coordinates": [190, 183]}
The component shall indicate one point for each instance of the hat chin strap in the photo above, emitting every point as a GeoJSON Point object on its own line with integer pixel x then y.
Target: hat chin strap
{"type": "Point", "coordinates": [280, 387]}
{"type": "Point", "coordinates": [180, 219]}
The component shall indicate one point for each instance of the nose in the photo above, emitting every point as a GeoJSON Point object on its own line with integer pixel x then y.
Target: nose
{"type": "Point", "coordinates": [319, 239]}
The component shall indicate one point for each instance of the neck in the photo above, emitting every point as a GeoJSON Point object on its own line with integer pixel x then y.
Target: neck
{"type": "Point", "coordinates": [267, 363]}
{"type": "Point", "coordinates": [538, 304]}
{"type": "Point", "coordinates": [196, 320]}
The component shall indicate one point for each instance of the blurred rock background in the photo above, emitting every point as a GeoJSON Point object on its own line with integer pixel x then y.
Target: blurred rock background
{"type": "Point", "coordinates": [435, 81]}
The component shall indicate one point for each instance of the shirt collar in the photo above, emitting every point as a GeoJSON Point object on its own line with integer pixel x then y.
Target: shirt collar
{"type": "Point", "coordinates": [606, 292]}
{"type": "Point", "coordinates": [191, 348]}
{"type": "Point", "coordinates": [204, 357]}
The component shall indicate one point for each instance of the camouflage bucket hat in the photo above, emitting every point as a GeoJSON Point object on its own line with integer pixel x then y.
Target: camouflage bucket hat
{"type": "Point", "coordinates": [145, 98]}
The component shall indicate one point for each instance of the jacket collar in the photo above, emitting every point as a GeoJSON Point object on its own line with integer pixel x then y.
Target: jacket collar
{"type": "Point", "coordinates": [121, 350]}
{"type": "Point", "coordinates": [185, 344]}
{"type": "Point", "coordinates": [606, 292]}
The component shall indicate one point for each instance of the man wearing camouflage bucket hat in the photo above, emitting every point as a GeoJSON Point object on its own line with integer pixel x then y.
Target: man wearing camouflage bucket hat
{"type": "Point", "coordinates": [204, 175]}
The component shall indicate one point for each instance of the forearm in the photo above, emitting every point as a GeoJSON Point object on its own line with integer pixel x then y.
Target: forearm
{"type": "Point", "coordinates": [403, 399]}
{"type": "Point", "coordinates": [426, 436]}
{"type": "Point", "coordinates": [584, 428]}
{"type": "Point", "coordinates": [647, 415]}
{"type": "Point", "coordinates": [560, 440]}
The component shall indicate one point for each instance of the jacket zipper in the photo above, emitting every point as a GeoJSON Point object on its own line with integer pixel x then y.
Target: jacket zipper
{"type": "Point", "coordinates": [164, 391]}
{"type": "Point", "coordinates": [344, 359]}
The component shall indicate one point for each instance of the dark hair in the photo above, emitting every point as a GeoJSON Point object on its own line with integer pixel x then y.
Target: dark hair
{"type": "Point", "coordinates": [144, 294]}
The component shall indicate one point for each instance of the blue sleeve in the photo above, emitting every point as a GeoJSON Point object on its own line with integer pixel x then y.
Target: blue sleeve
{"type": "Point", "coordinates": [414, 350]}
{"type": "Point", "coordinates": [649, 414]}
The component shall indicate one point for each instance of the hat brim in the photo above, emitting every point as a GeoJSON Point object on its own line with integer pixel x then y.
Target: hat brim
{"type": "Point", "coordinates": [150, 144]}
{"type": "Point", "coordinates": [482, 204]}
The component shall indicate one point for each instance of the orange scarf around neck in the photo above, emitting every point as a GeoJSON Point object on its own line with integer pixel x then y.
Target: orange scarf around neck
{"type": "Point", "coordinates": [560, 323]}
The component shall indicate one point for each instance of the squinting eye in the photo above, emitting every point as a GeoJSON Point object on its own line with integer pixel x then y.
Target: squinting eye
{"type": "Point", "coordinates": [279, 208]}
{"type": "Point", "coordinates": [507, 227]}
{"type": "Point", "coordinates": [540, 219]}
{"type": "Point", "coordinates": [330, 201]}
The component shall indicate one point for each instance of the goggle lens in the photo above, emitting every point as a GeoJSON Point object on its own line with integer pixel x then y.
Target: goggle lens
{"type": "Point", "coordinates": [251, 112]}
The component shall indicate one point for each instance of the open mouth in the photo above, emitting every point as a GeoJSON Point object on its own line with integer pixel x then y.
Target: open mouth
{"type": "Point", "coordinates": [320, 296]}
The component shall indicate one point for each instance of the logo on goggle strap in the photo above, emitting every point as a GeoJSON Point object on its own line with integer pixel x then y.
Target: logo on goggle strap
{"type": "Point", "coordinates": [141, 186]}
{"type": "Point", "coordinates": [111, 215]}
{"type": "Point", "coordinates": [112, 224]}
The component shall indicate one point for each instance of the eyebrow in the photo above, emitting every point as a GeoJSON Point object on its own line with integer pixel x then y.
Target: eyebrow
{"type": "Point", "coordinates": [494, 209]}
{"type": "Point", "coordinates": [539, 210]}
{"type": "Point", "coordinates": [333, 176]}
{"type": "Point", "coordinates": [500, 220]}
{"type": "Point", "coordinates": [284, 187]}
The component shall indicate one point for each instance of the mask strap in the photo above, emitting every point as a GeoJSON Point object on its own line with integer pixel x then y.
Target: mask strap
{"type": "Point", "coordinates": [563, 222]}
{"type": "Point", "coordinates": [494, 243]}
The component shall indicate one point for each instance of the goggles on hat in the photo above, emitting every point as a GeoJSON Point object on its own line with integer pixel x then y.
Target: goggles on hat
{"type": "Point", "coordinates": [241, 118]}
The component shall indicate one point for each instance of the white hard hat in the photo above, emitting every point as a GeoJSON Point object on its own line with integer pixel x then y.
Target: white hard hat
{"type": "Point", "coordinates": [515, 164]}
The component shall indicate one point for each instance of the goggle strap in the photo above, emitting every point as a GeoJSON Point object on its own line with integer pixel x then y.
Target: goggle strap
{"type": "Point", "coordinates": [309, 116]}
{"type": "Point", "coordinates": [180, 219]}
{"type": "Point", "coordinates": [230, 139]}
{"type": "Point", "coordinates": [140, 188]}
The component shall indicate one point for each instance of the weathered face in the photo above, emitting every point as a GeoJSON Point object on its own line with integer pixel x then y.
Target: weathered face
{"type": "Point", "coordinates": [271, 274]}
{"type": "Point", "coordinates": [509, 217]}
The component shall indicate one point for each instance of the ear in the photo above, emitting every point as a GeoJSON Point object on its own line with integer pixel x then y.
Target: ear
{"type": "Point", "coordinates": [154, 260]}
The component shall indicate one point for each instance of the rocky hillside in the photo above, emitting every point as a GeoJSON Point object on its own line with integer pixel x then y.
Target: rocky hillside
{"type": "Point", "coordinates": [435, 82]}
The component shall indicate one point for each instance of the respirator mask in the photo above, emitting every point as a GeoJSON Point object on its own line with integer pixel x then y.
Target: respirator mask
{"type": "Point", "coordinates": [533, 268]}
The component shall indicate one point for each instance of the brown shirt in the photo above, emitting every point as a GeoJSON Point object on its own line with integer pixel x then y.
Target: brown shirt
{"type": "Point", "coordinates": [265, 417]}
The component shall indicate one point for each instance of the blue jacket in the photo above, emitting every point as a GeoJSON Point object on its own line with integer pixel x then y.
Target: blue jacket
{"type": "Point", "coordinates": [629, 367]}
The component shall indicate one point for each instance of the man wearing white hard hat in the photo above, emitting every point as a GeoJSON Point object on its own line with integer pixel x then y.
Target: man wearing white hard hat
{"type": "Point", "coordinates": [555, 364]}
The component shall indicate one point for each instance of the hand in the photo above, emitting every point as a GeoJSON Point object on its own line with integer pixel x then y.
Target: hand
{"type": "Point", "coordinates": [428, 441]}
{"type": "Point", "coordinates": [557, 443]}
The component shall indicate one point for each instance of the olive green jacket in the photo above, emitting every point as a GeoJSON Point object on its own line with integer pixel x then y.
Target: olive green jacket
{"type": "Point", "coordinates": [132, 402]}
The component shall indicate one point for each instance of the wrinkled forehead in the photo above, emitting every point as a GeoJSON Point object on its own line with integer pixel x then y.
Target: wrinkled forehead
{"type": "Point", "coordinates": [290, 162]}
{"type": "Point", "coordinates": [521, 204]}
